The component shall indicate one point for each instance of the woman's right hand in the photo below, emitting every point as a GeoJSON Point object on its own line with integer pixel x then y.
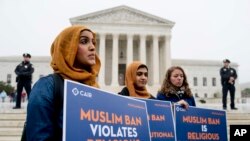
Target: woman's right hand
{"type": "Point", "coordinates": [183, 103]}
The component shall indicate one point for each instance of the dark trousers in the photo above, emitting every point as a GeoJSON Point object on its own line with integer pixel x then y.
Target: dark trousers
{"type": "Point", "coordinates": [225, 89]}
{"type": "Point", "coordinates": [20, 85]}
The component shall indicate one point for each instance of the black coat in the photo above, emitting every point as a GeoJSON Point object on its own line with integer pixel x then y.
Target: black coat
{"type": "Point", "coordinates": [24, 71]}
{"type": "Point", "coordinates": [226, 73]}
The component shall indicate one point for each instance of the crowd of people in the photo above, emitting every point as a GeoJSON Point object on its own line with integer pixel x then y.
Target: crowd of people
{"type": "Point", "coordinates": [11, 97]}
{"type": "Point", "coordinates": [74, 57]}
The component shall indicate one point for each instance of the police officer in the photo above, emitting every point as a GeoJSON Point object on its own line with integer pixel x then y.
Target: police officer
{"type": "Point", "coordinates": [24, 73]}
{"type": "Point", "coordinates": [228, 77]}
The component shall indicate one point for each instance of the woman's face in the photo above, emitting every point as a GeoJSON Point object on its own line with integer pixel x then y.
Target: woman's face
{"type": "Point", "coordinates": [141, 77]}
{"type": "Point", "coordinates": [86, 49]}
{"type": "Point", "coordinates": [177, 78]}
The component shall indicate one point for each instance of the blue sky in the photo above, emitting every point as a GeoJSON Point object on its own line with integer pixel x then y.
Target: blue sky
{"type": "Point", "coordinates": [204, 29]}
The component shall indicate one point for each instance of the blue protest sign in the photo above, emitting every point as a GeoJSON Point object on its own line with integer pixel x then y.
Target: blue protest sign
{"type": "Point", "coordinates": [200, 124]}
{"type": "Point", "coordinates": [91, 114]}
{"type": "Point", "coordinates": [161, 120]}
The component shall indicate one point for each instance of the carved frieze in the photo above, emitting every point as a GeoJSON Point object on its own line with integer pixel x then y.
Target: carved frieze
{"type": "Point", "coordinates": [122, 16]}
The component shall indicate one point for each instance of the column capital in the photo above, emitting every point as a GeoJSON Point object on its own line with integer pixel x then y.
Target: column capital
{"type": "Point", "coordinates": [168, 36]}
{"type": "Point", "coordinates": [156, 35]}
{"type": "Point", "coordinates": [102, 34]}
{"type": "Point", "coordinates": [115, 34]}
{"type": "Point", "coordinates": [130, 34]}
{"type": "Point", "coordinates": [142, 35]}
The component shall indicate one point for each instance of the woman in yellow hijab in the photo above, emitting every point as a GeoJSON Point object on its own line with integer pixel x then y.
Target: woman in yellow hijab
{"type": "Point", "coordinates": [74, 57]}
{"type": "Point", "coordinates": [136, 80]}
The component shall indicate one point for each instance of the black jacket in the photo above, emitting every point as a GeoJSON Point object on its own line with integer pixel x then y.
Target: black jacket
{"type": "Point", "coordinates": [226, 73]}
{"type": "Point", "coordinates": [24, 71]}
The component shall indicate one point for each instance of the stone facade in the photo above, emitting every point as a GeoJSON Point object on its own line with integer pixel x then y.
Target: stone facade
{"type": "Point", "coordinates": [125, 34]}
{"type": "Point", "coordinates": [204, 77]}
{"type": "Point", "coordinates": [198, 69]}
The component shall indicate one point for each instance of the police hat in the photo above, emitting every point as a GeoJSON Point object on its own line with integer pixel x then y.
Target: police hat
{"type": "Point", "coordinates": [27, 55]}
{"type": "Point", "coordinates": [226, 61]}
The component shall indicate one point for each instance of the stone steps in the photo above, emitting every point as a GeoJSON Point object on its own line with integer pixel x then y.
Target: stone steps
{"type": "Point", "coordinates": [238, 118]}
{"type": "Point", "coordinates": [12, 121]}
{"type": "Point", "coordinates": [9, 131]}
{"type": "Point", "coordinates": [11, 124]}
{"type": "Point", "coordinates": [10, 138]}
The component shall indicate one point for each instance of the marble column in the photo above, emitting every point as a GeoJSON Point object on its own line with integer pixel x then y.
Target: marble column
{"type": "Point", "coordinates": [167, 53]}
{"type": "Point", "coordinates": [101, 76]}
{"type": "Point", "coordinates": [129, 48]}
{"type": "Point", "coordinates": [115, 58]}
{"type": "Point", "coordinates": [142, 50]}
{"type": "Point", "coordinates": [156, 70]}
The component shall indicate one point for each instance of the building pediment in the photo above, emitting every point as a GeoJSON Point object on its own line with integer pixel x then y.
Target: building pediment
{"type": "Point", "coordinates": [120, 15]}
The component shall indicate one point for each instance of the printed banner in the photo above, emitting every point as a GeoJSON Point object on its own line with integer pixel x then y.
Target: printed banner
{"type": "Point", "coordinates": [91, 114]}
{"type": "Point", "coordinates": [200, 124]}
{"type": "Point", "coordinates": [161, 120]}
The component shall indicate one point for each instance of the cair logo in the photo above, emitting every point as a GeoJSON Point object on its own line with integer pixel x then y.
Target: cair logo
{"type": "Point", "coordinates": [76, 92]}
{"type": "Point", "coordinates": [178, 108]}
{"type": "Point", "coordinates": [239, 132]}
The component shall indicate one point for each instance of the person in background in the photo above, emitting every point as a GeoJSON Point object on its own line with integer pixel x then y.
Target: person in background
{"type": "Point", "coordinates": [12, 96]}
{"type": "Point", "coordinates": [3, 95]}
{"type": "Point", "coordinates": [74, 57]}
{"type": "Point", "coordinates": [228, 77]}
{"type": "Point", "coordinates": [175, 88]}
{"type": "Point", "coordinates": [136, 79]}
{"type": "Point", "coordinates": [24, 73]}
{"type": "Point", "coordinates": [23, 97]}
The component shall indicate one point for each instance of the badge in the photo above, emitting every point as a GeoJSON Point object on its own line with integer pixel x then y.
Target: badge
{"type": "Point", "coordinates": [26, 66]}
{"type": "Point", "coordinates": [232, 71]}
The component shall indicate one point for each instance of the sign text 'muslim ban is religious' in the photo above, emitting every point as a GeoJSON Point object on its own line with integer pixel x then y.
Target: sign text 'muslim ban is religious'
{"type": "Point", "coordinates": [200, 124]}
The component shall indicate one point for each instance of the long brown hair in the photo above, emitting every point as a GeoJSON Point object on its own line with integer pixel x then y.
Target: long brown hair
{"type": "Point", "coordinates": [168, 88]}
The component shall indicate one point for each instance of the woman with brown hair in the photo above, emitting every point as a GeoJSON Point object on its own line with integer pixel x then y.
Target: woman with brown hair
{"type": "Point", "coordinates": [175, 88]}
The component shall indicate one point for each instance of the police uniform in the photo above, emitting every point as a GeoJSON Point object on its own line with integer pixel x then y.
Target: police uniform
{"type": "Point", "coordinates": [24, 73]}
{"type": "Point", "coordinates": [226, 73]}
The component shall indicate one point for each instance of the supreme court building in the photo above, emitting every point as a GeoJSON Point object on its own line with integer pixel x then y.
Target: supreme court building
{"type": "Point", "coordinates": [125, 34]}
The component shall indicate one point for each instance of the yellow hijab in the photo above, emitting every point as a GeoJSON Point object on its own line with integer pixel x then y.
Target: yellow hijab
{"type": "Point", "coordinates": [131, 79]}
{"type": "Point", "coordinates": [63, 53]}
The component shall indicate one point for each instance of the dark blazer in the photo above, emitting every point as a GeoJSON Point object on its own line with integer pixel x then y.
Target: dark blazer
{"type": "Point", "coordinates": [175, 98]}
